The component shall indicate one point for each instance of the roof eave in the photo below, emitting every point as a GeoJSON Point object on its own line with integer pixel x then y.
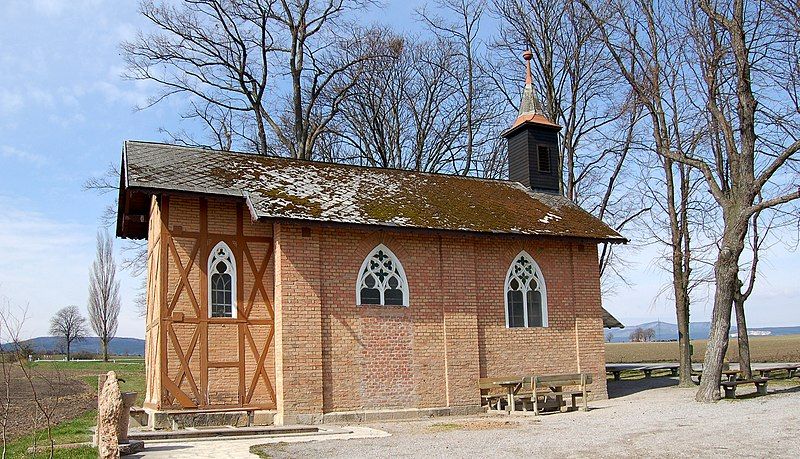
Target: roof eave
{"type": "Point", "coordinates": [392, 225]}
{"type": "Point", "coordinates": [122, 197]}
{"type": "Point", "coordinates": [517, 126]}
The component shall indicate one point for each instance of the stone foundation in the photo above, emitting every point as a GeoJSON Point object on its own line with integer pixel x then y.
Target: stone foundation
{"type": "Point", "coordinates": [181, 419]}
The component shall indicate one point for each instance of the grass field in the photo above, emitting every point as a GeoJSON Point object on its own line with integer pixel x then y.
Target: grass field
{"type": "Point", "coordinates": [78, 416]}
{"type": "Point", "coordinates": [762, 349]}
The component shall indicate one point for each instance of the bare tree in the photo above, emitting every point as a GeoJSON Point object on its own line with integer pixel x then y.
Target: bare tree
{"type": "Point", "coordinates": [725, 87]}
{"type": "Point", "coordinates": [642, 335]}
{"type": "Point", "coordinates": [216, 52]}
{"type": "Point", "coordinates": [69, 325]}
{"type": "Point", "coordinates": [232, 59]}
{"type": "Point", "coordinates": [580, 91]}
{"type": "Point", "coordinates": [673, 189]}
{"type": "Point", "coordinates": [104, 301]}
{"type": "Point", "coordinates": [458, 23]}
{"type": "Point", "coordinates": [11, 324]}
{"type": "Point", "coordinates": [763, 224]}
{"type": "Point", "coordinates": [405, 111]}
{"type": "Point", "coordinates": [135, 252]}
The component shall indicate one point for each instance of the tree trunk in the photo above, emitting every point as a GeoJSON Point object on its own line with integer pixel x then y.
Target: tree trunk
{"type": "Point", "coordinates": [67, 351]}
{"type": "Point", "coordinates": [744, 341]}
{"type": "Point", "coordinates": [684, 340]}
{"type": "Point", "coordinates": [104, 343]}
{"type": "Point", "coordinates": [726, 273]}
{"type": "Point", "coordinates": [681, 268]}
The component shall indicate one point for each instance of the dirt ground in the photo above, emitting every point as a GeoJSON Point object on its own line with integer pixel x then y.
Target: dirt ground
{"type": "Point", "coordinates": [644, 418]}
{"type": "Point", "coordinates": [62, 396]}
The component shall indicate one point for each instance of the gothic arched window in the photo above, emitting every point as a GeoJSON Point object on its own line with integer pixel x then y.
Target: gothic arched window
{"type": "Point", "coordinates": [222, 282]}
{"type": "Point", "coordinates": [526, 294]}
{"type": "Point", "coordinates": [382, 280]}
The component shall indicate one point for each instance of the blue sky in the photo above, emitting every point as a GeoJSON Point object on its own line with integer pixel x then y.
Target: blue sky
{"type": "Point", "coordinates": [64, 113]}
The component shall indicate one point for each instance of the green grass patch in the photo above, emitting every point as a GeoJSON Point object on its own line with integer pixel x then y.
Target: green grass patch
{"type": "Point", "coordinates": [77, 430]}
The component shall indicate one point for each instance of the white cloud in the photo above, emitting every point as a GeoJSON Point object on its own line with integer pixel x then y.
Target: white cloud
{"type": "Point", "coordinates": [134, 95]}
{"type": "Point", "coordinates": [49, 7]}
{"type": "Point", "coordinates": [9, 152]}
{"type": "Point", "coordinates": [57, 7]}
{"type": "Point", "coordinates": [10, 101]}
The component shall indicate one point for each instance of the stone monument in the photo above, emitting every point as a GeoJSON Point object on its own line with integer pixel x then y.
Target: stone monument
{"type": "Point", "coordinates": [113, 412]}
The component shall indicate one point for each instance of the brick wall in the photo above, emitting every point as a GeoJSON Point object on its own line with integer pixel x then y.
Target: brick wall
{"type": "Point", "coordinates": [432, 353]}
{"type": "Point", "coordinates": [328, 354]}
{"type": "Point", "coordinates": [298, 346]}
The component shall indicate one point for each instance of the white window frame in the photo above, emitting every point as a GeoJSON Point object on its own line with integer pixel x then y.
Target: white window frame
{"type": "Point", "coordinates": [382, 286]}
{"type": "Point", "coordinates": [537, 274]}
{"type": "Point", "coordinates": [230, 262]}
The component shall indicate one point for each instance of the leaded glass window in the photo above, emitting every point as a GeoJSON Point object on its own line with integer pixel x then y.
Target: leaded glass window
{"type": "Point", "coordinates": [221, 282]}
{"type": "Point", "coordinates": [526, 294]}
{"type": "Point", "coordinates": [382, 280]}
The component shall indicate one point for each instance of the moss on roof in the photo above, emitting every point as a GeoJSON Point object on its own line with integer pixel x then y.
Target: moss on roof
{"type": "Point", "coordinates": [308, 190]}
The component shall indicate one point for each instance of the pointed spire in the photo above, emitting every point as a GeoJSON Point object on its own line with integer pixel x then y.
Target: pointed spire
{"type": "Point", "coordinates": [530, 109]}
{"type": "Point", "coordinates": [529, 105]}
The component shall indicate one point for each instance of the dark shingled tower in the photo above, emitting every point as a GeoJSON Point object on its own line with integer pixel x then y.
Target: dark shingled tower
{"type": "Point", "coordinates": [533, 143]}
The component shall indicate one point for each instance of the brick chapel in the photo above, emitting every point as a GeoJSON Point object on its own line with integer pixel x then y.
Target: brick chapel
{"type": "Point", "coordinates": [310, 289]}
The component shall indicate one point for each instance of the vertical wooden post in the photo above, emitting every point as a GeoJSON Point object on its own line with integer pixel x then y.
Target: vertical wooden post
{"type": "Point", "coordinates": [162, 320]}
{"type": "Point", "coordinates": [242, 310]}
{"type": "Point", "coordinates": [202, 321]}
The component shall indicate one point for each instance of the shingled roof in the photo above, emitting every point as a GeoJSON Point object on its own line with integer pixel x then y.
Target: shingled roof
{"type": "Point", "coordinates": [309, 190]}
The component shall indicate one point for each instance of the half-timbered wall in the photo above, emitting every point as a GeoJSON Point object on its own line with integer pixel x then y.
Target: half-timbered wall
{"type": "Point", "coordinates": [313, 350]}
{"type": "Point", "coordinates": [194, 361]}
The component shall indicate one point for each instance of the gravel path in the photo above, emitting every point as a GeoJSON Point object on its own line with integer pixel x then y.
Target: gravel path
{"type": "Point", "coordinates": [645, 418]}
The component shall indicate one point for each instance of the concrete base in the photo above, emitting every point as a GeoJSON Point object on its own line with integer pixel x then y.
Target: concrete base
{"type": "Point", "coordinates": [131, 447]}
{"type": "Point", "coordinates": [349, 417]}
{"type": "Point", "coordinates": [182, 419]}
{"type": "Point", "coordinates": [191, 419]}
{"type": "Point", "coordinates": [138, 418]}
{"type": "Point", "coordinates": [225, 432]}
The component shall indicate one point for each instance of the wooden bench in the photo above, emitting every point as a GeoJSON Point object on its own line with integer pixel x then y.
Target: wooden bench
{"type": "Point", "coordinates": [647, 369]}
{"type": "Point", "coordinates": [730, 386]}
{"type": "Point", "coordinates": [729, 375]}
{"type": "Point", "coordinates": [536, 387]}
{"type": "Point", "coordinates": [491, 393]}
{"type": "Point", "coordinates": [766, 372]}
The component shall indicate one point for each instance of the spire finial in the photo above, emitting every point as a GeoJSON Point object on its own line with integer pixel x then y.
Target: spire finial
{"type": "Point", "coordinates": [528, 55]}
{"type": "Point", "coordinates": [530, 104]}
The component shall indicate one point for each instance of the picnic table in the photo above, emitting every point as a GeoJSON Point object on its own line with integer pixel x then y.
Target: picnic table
{"type": "Point", "coordinates": [556, 384]}
{"type": "Point", "coordinates": [511, 385]}
{"type": "Point", "coordinates": [528, 390]}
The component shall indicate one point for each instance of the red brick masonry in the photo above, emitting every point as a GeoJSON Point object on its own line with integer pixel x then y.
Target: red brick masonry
{"type": "Point", "coordinates": [333, 355]}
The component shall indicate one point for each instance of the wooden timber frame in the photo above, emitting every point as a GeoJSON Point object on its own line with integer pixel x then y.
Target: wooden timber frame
{"type": "Point", "coordinates": [195, 361]}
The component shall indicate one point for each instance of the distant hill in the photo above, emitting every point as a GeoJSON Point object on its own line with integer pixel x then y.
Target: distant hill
{"type": "Point", "coordinates": [666, 331]}
{"type": "Point", "coordinates": [53, 345]}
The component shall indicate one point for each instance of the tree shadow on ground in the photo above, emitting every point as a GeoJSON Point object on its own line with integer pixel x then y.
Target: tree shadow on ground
{"type": "Point", "coordinates": [627, 387]}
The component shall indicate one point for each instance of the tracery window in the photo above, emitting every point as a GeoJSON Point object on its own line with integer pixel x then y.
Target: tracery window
{"type": "Point", "coordinates": [222, 282]}
{"type": "Point", "coordinates": [526, 294]}
{"type": "Point", "coordinates": [382, 280]}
